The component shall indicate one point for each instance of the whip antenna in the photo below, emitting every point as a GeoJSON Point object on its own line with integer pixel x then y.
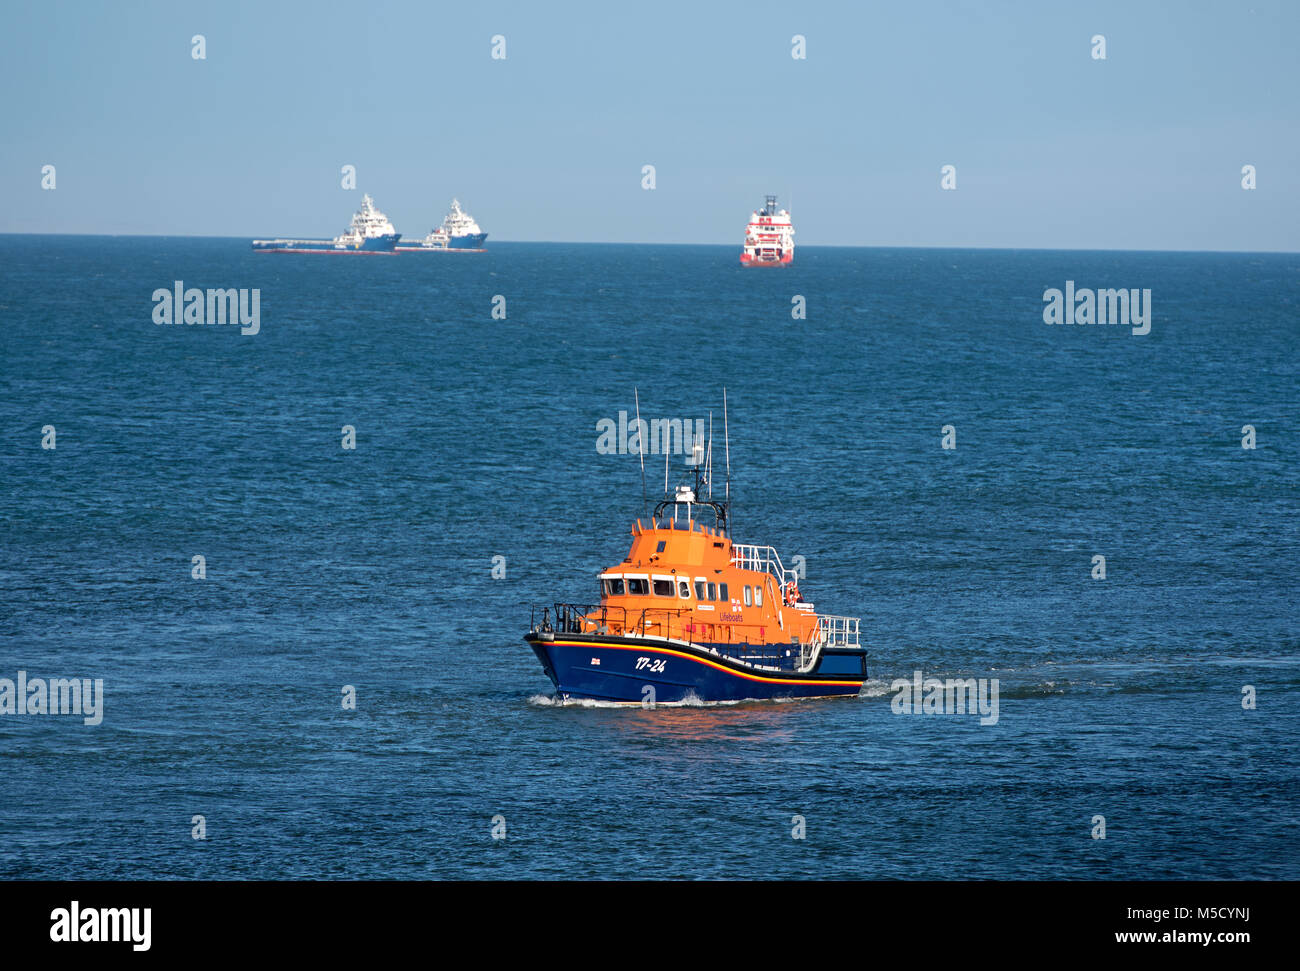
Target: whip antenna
{"type": "Point", "coordinates": [726, 438]}
{"type": "Point", "coordinates": [708, 459]}
{"type": "Point", "coordinates": [640, 442]}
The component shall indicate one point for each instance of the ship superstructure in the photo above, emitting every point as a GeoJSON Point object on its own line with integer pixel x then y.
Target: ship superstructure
{"type": "Point", "coordinates": [769, 237]}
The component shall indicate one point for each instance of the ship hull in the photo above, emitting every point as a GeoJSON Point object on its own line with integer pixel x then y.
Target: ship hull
{"type": "Point", "coordinates": [619, 669]}
{"type": "Point", "coordinates": [474, 241]}
{"type": "Point", "coordinates": [784, 260]}
{"type": "Point", "coordinates": [373, 244]}
{"type": "Point", "coordinates": [459, 244]}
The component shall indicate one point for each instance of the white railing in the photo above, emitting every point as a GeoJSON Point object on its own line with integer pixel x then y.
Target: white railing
{"type": "Point", "coordinates": [831, 631]}
{"type": "Point", "coordinates": [835, 631]}
{"type": "Point", "coordinates": [762, 559]}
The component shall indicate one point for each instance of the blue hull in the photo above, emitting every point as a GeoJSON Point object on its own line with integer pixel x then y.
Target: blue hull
{"type": "Point", "coordinates": [475, 241]}
{"type": "Point", "coordinates": [604, 668]}
{"type": "Point", "coordinates": [373, 244]}
{"type": "Point", "coordinates": [463, 244]}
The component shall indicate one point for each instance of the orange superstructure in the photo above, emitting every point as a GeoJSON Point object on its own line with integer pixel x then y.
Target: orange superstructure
{"type": "Point", "coordinates": [687, 581]}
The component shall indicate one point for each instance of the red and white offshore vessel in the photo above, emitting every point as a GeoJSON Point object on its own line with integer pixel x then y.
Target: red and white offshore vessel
{"type": "Point", "coordinates": [769, 237]}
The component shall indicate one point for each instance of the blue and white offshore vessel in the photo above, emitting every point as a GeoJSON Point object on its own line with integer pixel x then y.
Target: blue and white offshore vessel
{"type": "Point", "coordinates": [370, 232]}
{"type": "Point", "coordinates": [459, 233]}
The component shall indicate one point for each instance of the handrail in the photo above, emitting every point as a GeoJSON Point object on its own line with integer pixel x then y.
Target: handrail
{"type": "Point", "coordinates": [837, 631]}
{"type": "Point", "coordinates": [763, 559]}
{"type": "Point", "coordinates": [662, 622]}
{"type": "Point", "coordinates": [832, 631]}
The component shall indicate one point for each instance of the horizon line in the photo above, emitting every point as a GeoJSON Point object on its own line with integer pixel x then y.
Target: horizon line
{"type": "Point", "coordinates": [581, 242]}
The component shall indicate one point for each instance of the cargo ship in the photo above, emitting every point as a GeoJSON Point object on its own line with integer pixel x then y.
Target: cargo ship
{"type": "Point", "coordinates": [370, 232]}
{"type": "Point", "coordinates": [691, 614]}
{"type": "Point", "coordinates": [459, 233]}
{"type": "Point", "coordinates": [769, 237]}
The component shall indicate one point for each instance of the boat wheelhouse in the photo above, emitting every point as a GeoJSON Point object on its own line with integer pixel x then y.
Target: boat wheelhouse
{"type": "Point", "coordinates": [769, 237]}
{"type": "Point", "coordinates": [689, 613]}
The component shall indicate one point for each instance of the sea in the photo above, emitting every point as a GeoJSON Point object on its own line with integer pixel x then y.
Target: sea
{"type": "Point", "coordinates": [311, 656]}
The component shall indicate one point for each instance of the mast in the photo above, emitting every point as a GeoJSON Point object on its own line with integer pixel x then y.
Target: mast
{"type": "Point", "coordinates": [698, 472]}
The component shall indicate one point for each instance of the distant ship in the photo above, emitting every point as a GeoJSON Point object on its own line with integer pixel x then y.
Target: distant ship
{"type": "Point", "coordinates": [458, 232]}
{"type": "Point", "coordinates": [769, 237]}
{"type": "Point", "coordinates": [370, 232]}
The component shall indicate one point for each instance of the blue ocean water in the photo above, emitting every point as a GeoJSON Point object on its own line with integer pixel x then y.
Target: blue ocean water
{"type": "Point", "coordinates": [476, 438]}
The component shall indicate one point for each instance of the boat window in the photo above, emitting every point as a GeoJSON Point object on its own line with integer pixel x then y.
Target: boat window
{"type": "Point", "coordinates": [638, 587]}
{"type": "Point", "coordinates": [660, 547]}
{"type": "Point", "coordinates": [683, 590]}
{"type": "Point", "coordinates": [663, 588]}
{"type": "Point", "coordinates": [722, 592]}
{"type": "Point", "coordinates": [748, 599]}
{"type": "Point", "coordinates": [614, 588]}
{"type": "Point", "coordinates": [758, 596]}
{"type": "Point", "coordinates": [713, 591]}
{"type": "Point", "coordinates": [700, 586]}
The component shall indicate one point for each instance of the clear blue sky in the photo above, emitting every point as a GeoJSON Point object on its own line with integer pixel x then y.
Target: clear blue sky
{"type": "Point", "coordinates": [1052, 148]}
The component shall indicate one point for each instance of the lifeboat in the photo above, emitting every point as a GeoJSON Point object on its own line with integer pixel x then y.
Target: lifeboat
{"type": "Point", "coordinates": [691, 614]}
